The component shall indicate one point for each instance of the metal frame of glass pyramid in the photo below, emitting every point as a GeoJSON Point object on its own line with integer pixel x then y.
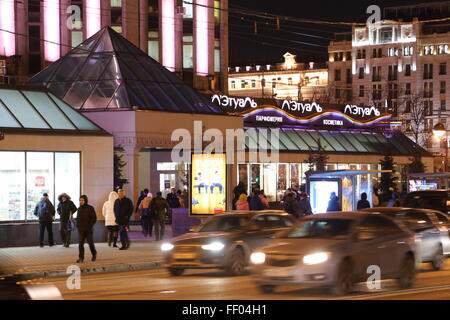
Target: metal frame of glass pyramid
{"type": "Point", "coordinates": [107, 71]}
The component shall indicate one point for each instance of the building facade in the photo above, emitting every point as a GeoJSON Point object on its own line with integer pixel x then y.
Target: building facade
{"type": "Point", "coordinates": [190, 39]}
{"type": "Point", "coordinates": [287, 80]}
{"type": "Point", "coordinates": [400, 66]}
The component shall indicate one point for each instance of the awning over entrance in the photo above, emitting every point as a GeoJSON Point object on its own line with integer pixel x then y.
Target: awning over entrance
{"type": "Point", "coordinates": [333, 141]}
{"type": "Point", "coordinates": [25, 109]}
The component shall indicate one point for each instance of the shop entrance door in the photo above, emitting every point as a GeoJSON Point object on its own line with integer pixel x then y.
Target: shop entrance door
{"type": "Point", "coordinates": [167, 181]}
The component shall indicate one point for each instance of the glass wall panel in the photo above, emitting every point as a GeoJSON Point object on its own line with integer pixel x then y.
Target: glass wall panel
{"type": "Point", "coordinates": [40, 172]}
{"type": "Point", "coordinates": [188, 56]}
{"type": "Point", "coordinates": [256, 175]}
{"type": "Point", "coordinates": [270, 178]}
{"type": "Point", "coordinates": [12, 186]}
{"type": "Point", "coordinates": [294, 174]}
{"type": "Point", "coordinates": [67, 175]}
{"type": "Point", "coordinates": [243, 174]}
{"type": "Point", "coordinates": [282, 178]}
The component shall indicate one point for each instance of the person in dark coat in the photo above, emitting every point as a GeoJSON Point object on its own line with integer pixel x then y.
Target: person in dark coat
{"type": "Point", "coordinates": [291, 205]}
{"type": "Point", "coordinates": [45, 211]}
{"type": "Point", "coordinates": [363, 203]}
{"type": "Point", "coordinates": [333, 204]}
{"type": "Point", "coordinates": [237, 191]}
{"type": "Point", "coordinates": [86, 219]}
{"type": "Point", "coordinates": [142, 195]}
{"type": "Point", "coordinates": [304, 204]}
{"type": "Point", "coordinates": [159, 208]}
{"type": "Point", "coordinates": [66, 208]}
{"type": "Point", "coordinates": [172, 199]}
{"type": "Point", "coordinates": [255, 202]}
{"type": "Point", "coordinates": [123, 209]}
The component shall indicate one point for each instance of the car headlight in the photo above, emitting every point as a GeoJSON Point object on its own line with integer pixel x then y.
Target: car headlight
{"type": "Point", "coordinates": [167, 247]}
{"type": "Point", "coordinates": [258, 257]}
{"type": "Point", "coordinates": [315, 258]}
{"type": "Point", "coordinates": [215, 246]}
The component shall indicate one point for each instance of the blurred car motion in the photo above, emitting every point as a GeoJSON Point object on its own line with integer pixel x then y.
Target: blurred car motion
{"type": "Point", "coordinates": [431, 228]}
{"type": "Point", "coordinates": [334, 250]}
{"type": "Point", "coordinates": [16, 288]}
{"type": "Point", "coordinates": [429, 199]}
{"type": "Point", "coordinates": [224, 241]}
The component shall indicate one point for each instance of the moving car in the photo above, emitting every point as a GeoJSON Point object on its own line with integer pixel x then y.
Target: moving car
{"type": "Point", "coordinates": [335, 250]}
{"type": "Point", "coordinates": [428, 199]}
{"type": "Point", "coordinates": [431, 228]}
{"type": "Point", "coordinates": [224, 241]}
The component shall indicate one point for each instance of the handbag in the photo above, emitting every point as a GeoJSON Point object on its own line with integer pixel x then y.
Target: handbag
{"type": "Point", "coordinates": [71, 223]}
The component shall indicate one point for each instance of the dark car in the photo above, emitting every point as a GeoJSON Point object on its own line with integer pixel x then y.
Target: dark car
{"type": "Point", "coordinates": [431, 228]}
{"type": "Point", "coordinates": [429, 199]}
{"type": "Point", "coordinates": [224, 241]}
{"type": "Point", "coordinates": [336, 250]}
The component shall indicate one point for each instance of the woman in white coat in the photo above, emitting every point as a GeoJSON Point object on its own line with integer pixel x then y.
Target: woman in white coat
{"type": "Point", "coordinates": [110, 218]}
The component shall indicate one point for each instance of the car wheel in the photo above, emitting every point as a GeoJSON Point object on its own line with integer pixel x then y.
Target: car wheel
{"type": "Point", "coordinates": [344, 281]}
{"type": "Point", "coordinates": [438, 259]}
{"type": "Point", "coordinates": [176, 271]}
{"type": "Point", "coordinates": [267, 288]}
{"type": "Point", "coordinates": [407, 274]}
{"type": "Point", "coordinates": [237, 262]}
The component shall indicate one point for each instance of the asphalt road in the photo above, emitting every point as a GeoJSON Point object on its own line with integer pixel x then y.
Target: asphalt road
{"type": "Point", "coordinates": [157, 284]}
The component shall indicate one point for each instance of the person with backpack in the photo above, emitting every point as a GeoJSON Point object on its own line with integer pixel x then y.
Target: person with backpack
{"type": "Point", "coordinates": [86, 219]}
{"type": "Point", "coordinates": [363, 203]}
{"type": "Point", "coordinates": [159, 208]}
{"type": "Point", "coordinates": [45, 211]}
{"type": "Point", "coordinates": [66, 209]}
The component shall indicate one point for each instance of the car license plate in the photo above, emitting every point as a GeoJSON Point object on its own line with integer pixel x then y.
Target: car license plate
{"type": "Point", "coordinates": [184, 255]}
{"type": "Point", "coordinates": [278, 272]}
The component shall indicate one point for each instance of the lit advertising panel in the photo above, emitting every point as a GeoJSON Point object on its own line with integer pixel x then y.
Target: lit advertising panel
{"type": "Point", "coordinates": [208, 184]}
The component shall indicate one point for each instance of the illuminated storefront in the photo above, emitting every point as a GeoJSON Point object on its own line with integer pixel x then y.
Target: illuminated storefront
{"type": "Point", "coordinates": [352, 137]}
{"type": "Point", "coordinates": [47, 148]}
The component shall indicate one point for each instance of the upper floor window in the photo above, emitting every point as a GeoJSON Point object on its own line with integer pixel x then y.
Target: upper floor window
{"type": "Point", "coordinates": [233, 84]}
{"type": "Point", "coordinates": [253, 83]}
{"type": "Point", "coordinates": [361, 73]}
{"type": "Point", "coordinates": [393, 52]}
{"type": "Point", "coordinates": [429, 50]}
{"type": "Point", "coordinates": [408, 51]}
{"type": "Point", "coordinates": [443, 49]}
{"type": "Point", "coordinates": [289, 81]}
{"type": "Point", "coordinates": [428, 71]}
{"type": "Point", "coordinates": [407, 70]}
{"type": "Point", "coordinates": [443, 68]}
{"type": "Point", "coordinates": [337, 75]}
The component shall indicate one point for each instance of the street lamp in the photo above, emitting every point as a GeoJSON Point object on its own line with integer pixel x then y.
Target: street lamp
{"type": "Point", "coordinates": [440, 132]}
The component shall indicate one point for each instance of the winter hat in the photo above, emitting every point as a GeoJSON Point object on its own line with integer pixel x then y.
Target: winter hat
{"type": "Point", "coordinates": [243, 196]}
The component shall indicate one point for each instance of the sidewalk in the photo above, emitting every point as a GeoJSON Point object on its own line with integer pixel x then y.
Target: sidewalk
{"type": "Point", "coordinates": [33, 262]}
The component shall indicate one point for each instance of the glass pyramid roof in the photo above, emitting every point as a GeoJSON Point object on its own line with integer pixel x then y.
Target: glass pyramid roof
{"type": "Point", "coordinates": [28, 108]}
{"type": "Point", "coordinates": [108, 72]}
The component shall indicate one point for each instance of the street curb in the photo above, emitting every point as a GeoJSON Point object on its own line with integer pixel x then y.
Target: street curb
{"type": "Point", "coordinates": [88, 270]}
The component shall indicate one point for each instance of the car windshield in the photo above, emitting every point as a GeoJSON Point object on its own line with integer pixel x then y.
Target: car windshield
{"type": "Point", "coordinates": [323, 228]}
{"type": "Point", "coordinates": [225, 224]}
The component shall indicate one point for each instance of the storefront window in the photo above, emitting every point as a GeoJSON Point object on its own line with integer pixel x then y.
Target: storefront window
{"type": "Point", "coordinates": [67, 175]}
{"type": "Point", "coordinates": [243, 174]}
{"type": "Point", "coordinates": [255, 181]}
{"type": "Point", "coordinates": [270, 178]}
{"type": "Point", "coordinates": [39, 179]}
{"type": "Point", "coordinates": [295, 174]}
{"type": "Point", "coordinates": [25, 176]}
{"type": "Point", "coordinates": [12, 186]}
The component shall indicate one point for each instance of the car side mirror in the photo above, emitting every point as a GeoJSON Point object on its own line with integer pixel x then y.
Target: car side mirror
{"type": "Point", "coordinates": [255, 227]}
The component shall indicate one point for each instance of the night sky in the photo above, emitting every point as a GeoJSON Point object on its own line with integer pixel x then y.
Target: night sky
{"type": "Point", "coordinates": [308, 41]}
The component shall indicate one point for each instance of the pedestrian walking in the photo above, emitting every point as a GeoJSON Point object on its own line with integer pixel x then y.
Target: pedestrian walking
{"type": "Point", "coordinates": [305, 205]}
{"type": "Point", "coordinates": [242, 203]}
{"type": "Point", "coordinates": [182, 196]}
{"type": "Point", "coordinates": [264, 200]}
{"type": "Point", "coordinates": [142, 195]}
{"type": "Point", "coordinates": [110, 219]}
{"type": "Point", "coordinates": [363, 203]}
{"type": "Point", "coordinates": [375, 197]}
{"type": "Point", "coordinates": [237, 191]}
{"type": "Point", "coordinates": [291, 205]}
{"type": "Point", "coordinates": [86, 219]}
{"type": "Point", "coordinates": [66, 209]}
{"type": "Point", "coordinates": [123, 209]}
{"type": "Point", "coordinates": [146, 221]}
{"type": "Point", "coordinates": [159, 207]}
{"type": "Point", "coordinates": [333, 203]}
{"type": "Point", "coordinates": [172, 199]}
{"type": "Point", "coordinates": [45, 211]}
